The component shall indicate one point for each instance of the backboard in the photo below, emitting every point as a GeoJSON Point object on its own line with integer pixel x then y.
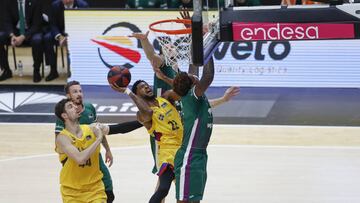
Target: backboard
{"type": "Point", "coordinates": [205, 30]}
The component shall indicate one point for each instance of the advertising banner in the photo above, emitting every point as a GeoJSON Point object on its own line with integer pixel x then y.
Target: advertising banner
{"type": "Point", "coordinates": [100, 39]}
{"type": "Point", "coordinates": [292, 31]}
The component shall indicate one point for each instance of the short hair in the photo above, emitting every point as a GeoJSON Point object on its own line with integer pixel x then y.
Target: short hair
{"type": "Point", "coordinates": [134, 87]}
{"type": "Point", "coordinates": [69, 84]}
{"type": "Point", "coordinates": [60, 108]}
{"type": "Point", "coordinates": [182, 83]}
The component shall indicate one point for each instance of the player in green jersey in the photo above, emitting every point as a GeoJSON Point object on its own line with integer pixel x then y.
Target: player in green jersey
{"type": "Point", "coordinates": [191, 158]}
{"type": "Point", "coordinates": [167, 73]}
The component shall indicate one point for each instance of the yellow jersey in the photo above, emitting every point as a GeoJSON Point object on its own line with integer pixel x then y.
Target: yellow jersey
{"type": "Point", "coordinates": [80, 176]}
{"type": "Point", "coordinates": [168, 131]}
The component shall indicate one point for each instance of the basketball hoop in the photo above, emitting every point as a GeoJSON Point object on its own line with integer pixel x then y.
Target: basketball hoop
{"type": "Point", "coordinates": [174, 37]}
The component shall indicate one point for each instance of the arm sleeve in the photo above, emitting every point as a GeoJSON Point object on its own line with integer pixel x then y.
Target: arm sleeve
{"type": "Point", "coordinates": [124, 127]}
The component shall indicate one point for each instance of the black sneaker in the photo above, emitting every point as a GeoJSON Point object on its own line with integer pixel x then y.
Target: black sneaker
{"type": "Point", "coordinates": [52, 76]}
{"type": "Point", "coordinates": [36, 77]}
{"type": "Point", "coordinates": [6, 75]}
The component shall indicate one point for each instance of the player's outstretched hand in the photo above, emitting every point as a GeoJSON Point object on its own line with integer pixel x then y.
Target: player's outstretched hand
{"type": "Point", "coordinates": [231, 92]}
{"type": "Point", "coordinates": [139, 35]}
{"type": "Point", "coordinates": [184, 13]}
{"type": "Point", "coordinates": [118, 88]}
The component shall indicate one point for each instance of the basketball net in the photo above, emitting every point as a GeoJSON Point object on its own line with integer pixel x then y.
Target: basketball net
{"type": "Point", "coordinates": [174, 37]}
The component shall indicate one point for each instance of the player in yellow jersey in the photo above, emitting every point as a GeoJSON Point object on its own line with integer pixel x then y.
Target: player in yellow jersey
{"type": "Point", "coordinates": [78, 148]}
{"type": "Point", "coordinates": [162, 120]}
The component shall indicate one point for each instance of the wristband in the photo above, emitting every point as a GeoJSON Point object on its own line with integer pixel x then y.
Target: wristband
{"type": "Point", "coordinates": [127, 91]}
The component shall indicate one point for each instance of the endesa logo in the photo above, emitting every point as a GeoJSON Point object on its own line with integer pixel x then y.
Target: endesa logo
{"type": "Point", "coordinates": [291, 31]}
{"type": "Point", "coordinates": [114, 38]}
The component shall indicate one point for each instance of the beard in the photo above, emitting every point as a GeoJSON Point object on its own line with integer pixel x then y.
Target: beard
{"type": "Point", "coordinates": [150, 98]}
{"type": "Point", "coordinates": [78, 101]}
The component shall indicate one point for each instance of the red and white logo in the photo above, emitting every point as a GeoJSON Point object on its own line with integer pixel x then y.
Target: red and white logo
{"type": "Point", "coordinates": [291, 31]}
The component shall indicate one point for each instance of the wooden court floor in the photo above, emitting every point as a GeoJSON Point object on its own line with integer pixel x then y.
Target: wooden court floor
{"type": "Point", "coordinates": [255, 164]}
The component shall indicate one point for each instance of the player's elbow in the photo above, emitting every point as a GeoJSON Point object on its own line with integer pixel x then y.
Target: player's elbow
{"type": "Point", "coordinates": [149, 112]}
{"type": "Point", "coordinates": [146, 113]}
{"type": "Point", "coordinates": [207, 79]}
{"type": "Point", "coordinates": [80, 159]}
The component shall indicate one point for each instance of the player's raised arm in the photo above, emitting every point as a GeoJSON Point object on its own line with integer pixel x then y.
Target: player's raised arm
{"type": "Point", "coordinates": [228, 94]}
{"type": "Point", "coordinates": [153, 57]}
{"type": "Point", "coordinates": [171, 96]}
{"type": "Point", "coordinates": [145, 110]}
{"type": "Point", "coordinates": [159, 74]}
{"type": "Point", "coordinates": [206, 78]}
{"type": "Point", "coordinates": [194, 70]}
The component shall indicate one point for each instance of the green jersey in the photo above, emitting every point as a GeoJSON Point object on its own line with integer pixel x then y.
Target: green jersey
{"type": "Point", "coordinates": [191, 158]}
{"type": "Point", "coordinates": [197, 120]}
{"type": "Point", "coordinates": [159, 85]}
{"type": "Point", "coordinates": [88, 116]}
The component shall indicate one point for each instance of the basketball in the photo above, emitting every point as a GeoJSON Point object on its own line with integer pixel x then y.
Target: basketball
{"type": "Point", "coordinates": [119, 75]}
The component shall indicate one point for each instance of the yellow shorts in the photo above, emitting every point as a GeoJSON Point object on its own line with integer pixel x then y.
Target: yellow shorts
{"type": "Point", "coordinates": [166, 155]}
{"type": "Point", "coordinates": [94, 193]}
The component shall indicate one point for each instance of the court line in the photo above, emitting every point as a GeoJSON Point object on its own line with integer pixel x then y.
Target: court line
{"type": "Point", "coordinates": [55, 154]}
{"type": "Point", "coordinates": [222, 125]}
{"type": "Point", "coordinates": [210, 146]}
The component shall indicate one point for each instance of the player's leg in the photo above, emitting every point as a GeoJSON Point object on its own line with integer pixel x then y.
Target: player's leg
{"type": "Point", "coordinates": [159, 87]}
{"type": "Point", "coordinates": [165, 180]}
{"type": "Point", "coordinates": [190, 175]}
{"type": "Point", "coordinates": [157, 186]}
{"type": "Point", "coordinates": [106, 180]}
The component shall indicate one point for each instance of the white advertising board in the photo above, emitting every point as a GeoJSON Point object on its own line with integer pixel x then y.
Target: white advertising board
{"type": "Point", "coordinates": [98, 39]}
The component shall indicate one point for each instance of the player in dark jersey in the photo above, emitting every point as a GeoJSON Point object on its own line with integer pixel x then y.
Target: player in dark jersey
{"type": "Point", "coordinates": [191, 158]}
{"type": "Point", "coordinates": [88, 115]}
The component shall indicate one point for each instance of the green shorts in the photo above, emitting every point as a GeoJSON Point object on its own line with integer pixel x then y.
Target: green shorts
{"type": "Point", "coordinates": [106, 175]}
{"type": "Point", "coordinates": [190, 174]}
